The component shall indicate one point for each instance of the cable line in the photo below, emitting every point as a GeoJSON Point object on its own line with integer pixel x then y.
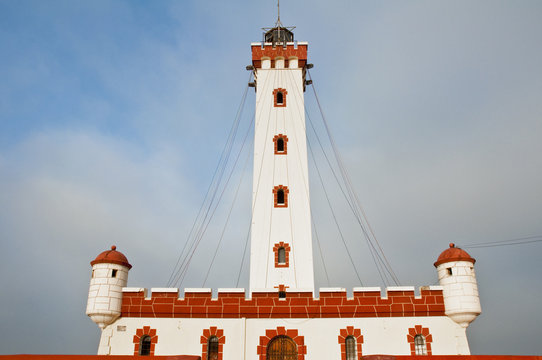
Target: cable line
{"type": "Point", "coordinates": [509, 242]}
{"type": "Point", "coordinates": [353, 199]}
{"type": "Point", "coordinates": [205, 212]}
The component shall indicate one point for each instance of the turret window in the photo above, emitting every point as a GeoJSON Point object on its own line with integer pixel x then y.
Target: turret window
{"type": "Point", "coordinates": [282, 254]}
{"type": "Point", "coordinates": [279, 96]}
{"type": "Point", "coordinates": [114, 273]}
{"type": "Point", "coordinates": [281, 142]}
{"type": "Point", "coordinates": [280, 194]}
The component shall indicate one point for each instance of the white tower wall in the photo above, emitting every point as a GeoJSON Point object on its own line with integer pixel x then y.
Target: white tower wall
{"type": "Point", "coordinates": [270, 224]}
{"type": "Point", "coordinates": [460, 291]}
{"type": "Point", "coordinates": [105, 293]}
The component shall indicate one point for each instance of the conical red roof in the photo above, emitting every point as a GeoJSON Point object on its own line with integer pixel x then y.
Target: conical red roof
{"type": "Point", "coordinates": [453, 254]}
{"type": "Point", "coordinates": [111, 257]}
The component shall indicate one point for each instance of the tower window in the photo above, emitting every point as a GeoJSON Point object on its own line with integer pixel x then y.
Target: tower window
{"type": "Point", "coordinates": [420, 345]}
{"type": "Point", "coordinates": [280, 193]}
{"type": "Point", "coordinates": [114, 273]}
{"type": "Point", "coordinates": [280, 145]}
{"type": "Point", "coordinates": [281, 142]}
{"type": "Point", "coordinates": [350, 345]}
{"type": "Point", "coordinates": [279, 96]}
{"type": "Point", "coordinates": [212, 348]}
{"type": "Point", "coordinates": [280, 197]}
{"type": "Point", "coordinates": [282, 254]}
{"type": "Point", "coordinates": [449, 270]}
{"type": "Point", "coordinates": [145, 345]}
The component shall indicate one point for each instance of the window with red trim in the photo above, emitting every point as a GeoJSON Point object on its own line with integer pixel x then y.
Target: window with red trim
{"type": "Point", "coordinates": [270, 346]}
{"type": "Point", "coordinates": [350, 340]}
{"type": "Point", "coordinates": [280, 195]}
{"type": "Point", "coordinates": [279, 96]}
{"type": "Point", "coordinates": [212, 343]}
{"type": "Point", "coordinates": [420, 340]}
{"type": "Point", "coordinates": [145, 341]}
{"type": "Point", "coordinates": [281, 142]}
{"type": "Point", "coordinates": [282, 255]}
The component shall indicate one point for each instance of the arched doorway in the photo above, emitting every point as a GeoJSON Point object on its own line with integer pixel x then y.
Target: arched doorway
{"type": "Point", "coordinates": [282, 347]}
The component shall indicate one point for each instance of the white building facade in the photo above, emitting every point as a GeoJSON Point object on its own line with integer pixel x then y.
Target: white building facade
{"type": "Point", "coordinates": [281, 317]}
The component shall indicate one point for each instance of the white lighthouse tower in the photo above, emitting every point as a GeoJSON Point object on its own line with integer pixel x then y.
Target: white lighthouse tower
{"type": "Point", "coordinates": [456, 275]}
{"type": "Point", "coordinates": [109, 276]}
{"type": "Point", "coordinates": [281, 246]}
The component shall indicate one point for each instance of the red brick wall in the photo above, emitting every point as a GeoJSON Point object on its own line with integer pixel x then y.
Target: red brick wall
{"type": "Point", "coordinates": [295, 305]}
{"type": "Point", "coordinates": [279, 51]}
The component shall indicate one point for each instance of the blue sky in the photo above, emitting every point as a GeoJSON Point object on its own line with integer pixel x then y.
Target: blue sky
{"type": "Point", "coordinates": [113, 115]}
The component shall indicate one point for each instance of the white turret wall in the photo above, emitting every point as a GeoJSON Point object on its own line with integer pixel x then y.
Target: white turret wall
{"type": "Point", "coordinates": [105, 292]}
{"type": "Point", "coordinates": [460, 291]}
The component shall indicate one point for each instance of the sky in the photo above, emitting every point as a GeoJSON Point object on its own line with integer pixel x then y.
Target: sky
{"type": "Point", "coordinates": [113, 116]}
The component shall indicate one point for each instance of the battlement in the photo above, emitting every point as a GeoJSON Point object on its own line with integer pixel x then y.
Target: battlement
{"type": "Point", "coordinates": [331, 303]}
{"type": "Point", "coordinates": [261, 51]}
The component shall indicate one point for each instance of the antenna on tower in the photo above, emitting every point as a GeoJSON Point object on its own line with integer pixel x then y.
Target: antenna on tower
{"type": "Point", "coordinates": [278, 13]}
{"type": "Point", "coordinates": [279, 34]}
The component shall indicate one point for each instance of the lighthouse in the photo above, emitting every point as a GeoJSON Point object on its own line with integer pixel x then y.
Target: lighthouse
{"type": "Point", "coordinates": [282, 316]}
{"type": "Point", "coordinates": [281, 245]}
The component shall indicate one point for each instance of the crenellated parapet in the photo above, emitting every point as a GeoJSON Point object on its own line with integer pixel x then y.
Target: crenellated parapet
{"type": "Point", "coordinates": [331, 303]}
{"type": "Point", "coordinates": [293, 55]}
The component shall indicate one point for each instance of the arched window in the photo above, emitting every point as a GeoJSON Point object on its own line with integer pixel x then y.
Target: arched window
{"type": "Point", "coordinates": [282, 251]}
{"type": "Point", "coordinates": [281, 144]}
{"type": "Point", "coordinates": [420, 345]}
{"type": "Point", "coordinates": [145, 345]}
{"type": "Point", "coordinates": [280, 197]}
{"type": "Point", "coordinates": [282, 255]}
{"type": "Point", "coordinates": [212, 348]}
{"type": "Point", "coordinates": [282, 347]}
{"type": "Point", "coordinates": [350, 345]}
{"type": "Point", "coordinates": [279, 96]}
{"type": "Point", "coordinates": [280, 194]}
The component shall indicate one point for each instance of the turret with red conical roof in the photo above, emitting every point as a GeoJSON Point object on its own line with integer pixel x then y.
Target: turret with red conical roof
{"type": "Point", "coordinates": [456, 275]}
{"type": "Point", "coordinates": [109, 276]}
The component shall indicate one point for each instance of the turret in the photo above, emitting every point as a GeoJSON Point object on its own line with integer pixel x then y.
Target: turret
{"type": "Point", "coordinates": [109, 276]}
{"type": "Point", "coordinates": [456, 275]}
